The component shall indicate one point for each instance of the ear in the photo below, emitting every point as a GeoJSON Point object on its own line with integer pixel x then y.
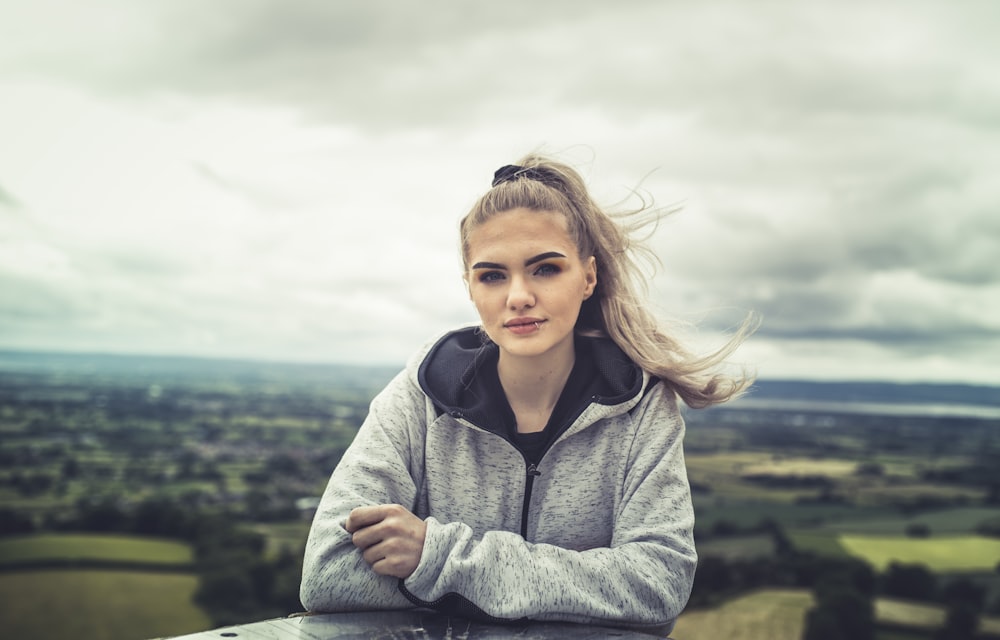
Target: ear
{"type": "Point", "coordinates": [590, 276]}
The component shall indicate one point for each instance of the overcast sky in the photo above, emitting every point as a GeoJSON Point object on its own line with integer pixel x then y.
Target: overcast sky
{"type": "Point", "coordinates": [283, 180]}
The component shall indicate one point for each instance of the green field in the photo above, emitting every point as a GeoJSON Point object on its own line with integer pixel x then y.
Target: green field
{"type": "Point", "coordinates": [779, 614]}
{"type": "Point", "coordinates": [951, 553]}
{"type": "Point", "coordinates": [795, 466]}
{"type": "Point", "coordinates": [290, 536]}
{"type": "Point", "coordinates": [775, 614]}
{"type": "Point", "coordinates": [710, 509]}
{"type": "Point", "coordinates": [943, 521]}
{"type": "Point", "coordinates": [817, 541]}
{"type": "Point", "coordinates": [93, 547]}
{"type": "Point", "coordinates": [98, 605]}
{"type": "Point", "coordinates": [921, 615]}
{"type": "Point", "coordinates": [938, 553]}
{"type": "Point", "coordinates": [735, 547]}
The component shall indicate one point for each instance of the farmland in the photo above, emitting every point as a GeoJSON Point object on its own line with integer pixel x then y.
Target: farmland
{"type": "Point", "coordinates": [123, 476]}
{"type": "Point", "coordinates": [98, 604]}
{"type": "Point", "coordinates": [83, 547]}
{"type": "Point", "coordinates": [777, 614]}
{"type": "Point", "coordinates": [940, 554]}
{"type": "Point", "coordinates": [772, 614]}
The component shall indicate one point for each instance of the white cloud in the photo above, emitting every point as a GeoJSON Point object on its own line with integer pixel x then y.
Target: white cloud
{"type": "Point", "coordinates": [249, 179]}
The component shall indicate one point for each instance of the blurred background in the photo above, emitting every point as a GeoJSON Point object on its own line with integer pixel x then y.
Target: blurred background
{"type": "Point", "coordinates": [210, 212]}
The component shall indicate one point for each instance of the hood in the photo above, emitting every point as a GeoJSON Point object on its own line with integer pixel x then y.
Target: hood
{"type": "Point", "coordinates": [449, 370]}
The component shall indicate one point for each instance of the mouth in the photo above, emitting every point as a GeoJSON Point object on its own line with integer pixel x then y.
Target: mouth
{"type": "Point", "coordinates": [523, 326]}
{"type": "Point", "coordinates": [523, 322]}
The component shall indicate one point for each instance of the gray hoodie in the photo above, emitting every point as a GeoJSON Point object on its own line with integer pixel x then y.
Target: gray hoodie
{"type": "Point", "coordinates": [599, 532]}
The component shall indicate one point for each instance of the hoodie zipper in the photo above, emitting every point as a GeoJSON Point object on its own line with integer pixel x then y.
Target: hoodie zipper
{"type": "Point", "coordinates": [530, 474]}
{"type": "Point", "coordinates": [532, 471]}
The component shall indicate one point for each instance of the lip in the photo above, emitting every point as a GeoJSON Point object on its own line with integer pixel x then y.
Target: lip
{"type": "Point", "coordinates": [523, 326]}
{"type": "Point", "coordinates": [520, 322]}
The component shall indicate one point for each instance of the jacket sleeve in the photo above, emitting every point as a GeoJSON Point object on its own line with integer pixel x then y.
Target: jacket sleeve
{"type": "Point", "coordinates": [642, 580]}
{"type": "Point", "coordinates": [376, 469]}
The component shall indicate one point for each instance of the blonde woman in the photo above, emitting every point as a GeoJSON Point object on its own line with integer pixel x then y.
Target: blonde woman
{"type": "Point", "coordinates": [530, 467]}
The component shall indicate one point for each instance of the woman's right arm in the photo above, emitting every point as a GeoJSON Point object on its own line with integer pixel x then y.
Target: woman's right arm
{"type": "Point", "coordinates": [376, 469]}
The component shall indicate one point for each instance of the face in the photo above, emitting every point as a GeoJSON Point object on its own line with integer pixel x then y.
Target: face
{"type": "Point", "coordinates": [528, 281]}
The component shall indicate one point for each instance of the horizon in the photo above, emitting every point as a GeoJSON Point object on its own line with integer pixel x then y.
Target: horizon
{"type": "Point", "coordinates": [390, 367]}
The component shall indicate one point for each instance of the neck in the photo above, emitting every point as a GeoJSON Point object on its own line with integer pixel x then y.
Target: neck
{"type": "Point", "coordinates": [535, 382]}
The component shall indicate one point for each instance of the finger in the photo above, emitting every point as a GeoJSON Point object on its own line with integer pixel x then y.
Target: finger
{"type": "Point", "coordinates": [382, 560]}
{"type": "Point", "coordinates": [396, 564]}
{"type": "Point", "coordinates": [364, 516]}
{"type": "Point", "coordinates": [367, 537]}
{"type": "Point", "coordinates": [374, 554]}
{"type": "Point", "coordinates": [384, 568]}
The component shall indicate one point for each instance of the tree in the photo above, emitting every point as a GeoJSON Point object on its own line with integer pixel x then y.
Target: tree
{"type": "Point", "coordinates": [842, 611]}
{"type": "Point", "coordinates": [70, 468]}
{"type": "Point", "coordinates": [870, 469]}
{"type": "Point", "coordinates": [713, 578]}
{"type": "Point", "coordinates": [964, 591]}
{"type": "Point", "coordinates": [163, 516]}
{"type": "Point", "coordinates": [960, 623]}
{"type": "Point", "coordinates": [102, 514]}
{"type": "Point", "coordinates": [14, 522]}
{"type": "Point", "coordinates": [782, 543]}
{"type": "Point", "coordinates": [227, 593]}
{"type": "Point", "coordinates": [912, 581]}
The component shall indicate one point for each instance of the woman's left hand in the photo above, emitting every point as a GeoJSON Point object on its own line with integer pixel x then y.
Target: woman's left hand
{"type": "Point", "coordinates": [390, 538]}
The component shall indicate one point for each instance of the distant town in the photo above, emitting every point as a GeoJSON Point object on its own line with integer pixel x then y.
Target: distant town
{"type": "Point", "coordinates": [185, 487]}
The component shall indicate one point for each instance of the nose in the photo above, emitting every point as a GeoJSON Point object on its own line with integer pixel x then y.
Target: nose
{"type": "Point", "coordinates": [519, 295]}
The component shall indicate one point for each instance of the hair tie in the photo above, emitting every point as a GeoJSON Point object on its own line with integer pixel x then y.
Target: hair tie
{"type": "Point", "coordinates": [510, 172]}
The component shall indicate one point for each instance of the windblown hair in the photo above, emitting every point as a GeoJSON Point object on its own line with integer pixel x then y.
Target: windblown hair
{"type": "Point", "coordinates": [616, 309]}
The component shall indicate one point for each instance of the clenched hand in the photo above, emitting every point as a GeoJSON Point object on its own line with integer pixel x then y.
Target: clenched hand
{"type": "Point", "coordinates": [391, 538]}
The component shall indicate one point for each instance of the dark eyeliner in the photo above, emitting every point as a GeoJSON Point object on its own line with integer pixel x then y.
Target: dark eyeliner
{"type": "Point", "coordinates": [548, 269]}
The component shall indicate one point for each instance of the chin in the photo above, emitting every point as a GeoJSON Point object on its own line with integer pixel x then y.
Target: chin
{"type": "Point", "coordinates": [528, 347]}
{"type": "Point", "coordinates": [522, 350]}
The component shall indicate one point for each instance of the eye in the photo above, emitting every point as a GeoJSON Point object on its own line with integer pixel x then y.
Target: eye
{"type": "Point", "coordinates": [548, 270]}
{"type": "Point", "coordinates": [489, 277]}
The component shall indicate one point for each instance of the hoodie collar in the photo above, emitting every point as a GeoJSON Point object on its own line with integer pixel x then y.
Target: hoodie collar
{"type": "Point", "coordinates": [448, 374]}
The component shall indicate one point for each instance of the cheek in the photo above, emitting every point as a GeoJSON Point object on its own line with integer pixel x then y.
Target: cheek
{"type": "Point", "coordinates": [481, 299]}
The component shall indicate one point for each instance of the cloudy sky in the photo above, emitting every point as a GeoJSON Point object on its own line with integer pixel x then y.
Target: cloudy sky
{"type": "Point", "coordinates": [282, 180]}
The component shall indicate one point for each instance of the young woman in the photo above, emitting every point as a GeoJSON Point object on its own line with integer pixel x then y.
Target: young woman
{"type": "Point", "coordinates": [531, 467]}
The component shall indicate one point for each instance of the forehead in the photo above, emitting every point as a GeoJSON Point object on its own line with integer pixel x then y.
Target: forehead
{"type": "Point", "coordinates": [521, 231]}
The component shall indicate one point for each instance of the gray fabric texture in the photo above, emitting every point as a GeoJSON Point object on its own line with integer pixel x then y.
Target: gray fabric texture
{"type": "Point", "coordinates": [609, 525]}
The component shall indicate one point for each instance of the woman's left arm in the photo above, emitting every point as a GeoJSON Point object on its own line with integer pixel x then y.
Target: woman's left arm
{"type": "Point", "coordinates": [643, 578]}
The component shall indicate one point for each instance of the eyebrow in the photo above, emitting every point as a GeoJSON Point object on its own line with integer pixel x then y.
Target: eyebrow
{"type": "Point", "coordinates": [527, 263]}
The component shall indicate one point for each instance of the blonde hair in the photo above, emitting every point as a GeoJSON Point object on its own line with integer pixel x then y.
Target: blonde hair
{"type": "Point", "coordinates": [616, 310]}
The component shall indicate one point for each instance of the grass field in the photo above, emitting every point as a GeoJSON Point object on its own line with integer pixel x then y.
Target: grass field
{"type": "Point", "coordinates": [939, 553]}
{"type": "Point", "coordinates": [927, 616]}
{"type": "Point", "coordinates": [731, 473]}
{"type": "Point", "coordinates": [911, 493]}
{"type": "Point", "coordinates": [733, 547]}
{"type": "Point", "coordinates": [290, 535]}
{"type": "Point", "coordinates": [98, 605]}
{"type": "Point", "coordinates": [945, 553]}
{"type": "Point", "coordinates": [779, 614]}
{"type": "Point", "coordinates": [823, 542]}
{"type": "Point", "coordinates": [711, 509]}
{"type": "Point", "coordinates": [780, 466]}
{"type": "Point", "coordinates": [960, 520]}
{"type": "Point", "coordinates": [774, 614]}
{"type": "Point", "coordinates": [723, 472]}
{"type": "Point", "coordinates": [117, 548]}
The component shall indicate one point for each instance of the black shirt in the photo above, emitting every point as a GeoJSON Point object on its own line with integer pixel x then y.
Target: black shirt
{"type": "Point", "coordinates": [581, 380]}
{"type": "Point", "coordinates": [459, 375]}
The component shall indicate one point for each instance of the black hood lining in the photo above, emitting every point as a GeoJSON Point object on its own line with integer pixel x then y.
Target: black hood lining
{"type": "Point", "coordinates": [448, 369]}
